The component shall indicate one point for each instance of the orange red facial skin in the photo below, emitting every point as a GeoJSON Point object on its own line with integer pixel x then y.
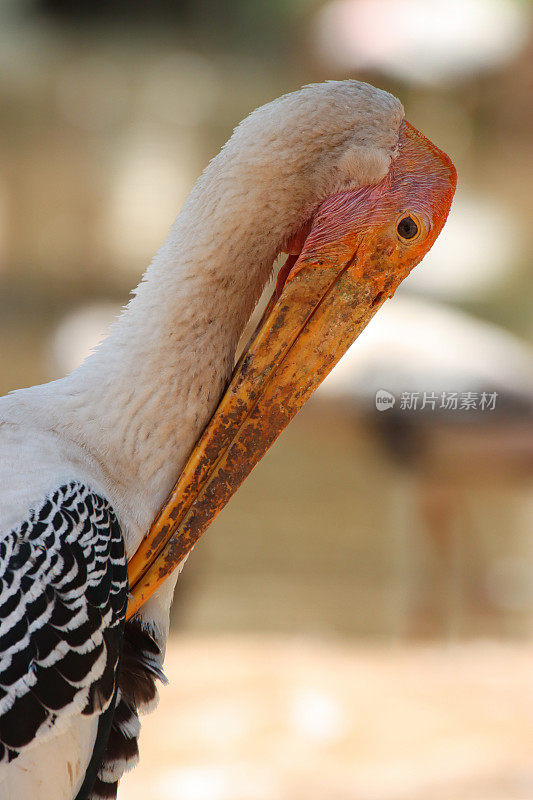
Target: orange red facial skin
{"type": "Point", "coordinates": [420, 182]}
{"type": "Point", "coordinates": [351, 261]}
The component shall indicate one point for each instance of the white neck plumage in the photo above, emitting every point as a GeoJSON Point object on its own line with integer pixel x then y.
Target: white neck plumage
{"type": "Point", "coordinates": [144, 397]}
{"type": "Point", "coordinates": [140, 402]}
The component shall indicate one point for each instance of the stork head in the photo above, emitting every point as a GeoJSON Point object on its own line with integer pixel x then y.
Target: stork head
{"type": "Point", "coordinates": [385, 228]}
{"type": "Point", "coordinates": [384, 193]}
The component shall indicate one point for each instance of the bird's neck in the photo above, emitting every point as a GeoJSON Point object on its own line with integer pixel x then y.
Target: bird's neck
{"type": "Point", "coordinates": [141, 401]}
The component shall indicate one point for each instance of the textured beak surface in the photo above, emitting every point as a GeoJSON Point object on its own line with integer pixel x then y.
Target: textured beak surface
{"type": "Point", "coordinates": [329, 296]}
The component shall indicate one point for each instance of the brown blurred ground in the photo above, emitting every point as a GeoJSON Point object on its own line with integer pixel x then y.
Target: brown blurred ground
{"type": "Point", "coordinates": [258, 718]}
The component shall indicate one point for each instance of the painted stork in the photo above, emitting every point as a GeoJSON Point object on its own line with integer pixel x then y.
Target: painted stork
{"type": "Point", "coordinates": [441, 451]}
{"type": "Point", "coordinates": [334, 176]}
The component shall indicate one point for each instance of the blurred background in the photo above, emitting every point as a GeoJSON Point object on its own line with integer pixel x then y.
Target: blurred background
{"type": "Point", "coordinates": [357, 624]}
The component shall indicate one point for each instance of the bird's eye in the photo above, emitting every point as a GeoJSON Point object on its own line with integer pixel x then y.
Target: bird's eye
{"type": "Point", "coordinates": [407, 228]}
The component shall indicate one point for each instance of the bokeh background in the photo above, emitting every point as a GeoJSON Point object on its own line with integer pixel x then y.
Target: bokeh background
{"type": "Point", "coordinates": [357, 624]}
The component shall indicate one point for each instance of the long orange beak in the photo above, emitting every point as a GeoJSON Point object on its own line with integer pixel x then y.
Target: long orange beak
{"type": "Point", "coordinates": [328, 298]}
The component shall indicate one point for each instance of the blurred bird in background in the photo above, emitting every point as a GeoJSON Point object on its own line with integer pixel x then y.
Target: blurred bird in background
{"type": "Point", "coordinates": [463, 423]}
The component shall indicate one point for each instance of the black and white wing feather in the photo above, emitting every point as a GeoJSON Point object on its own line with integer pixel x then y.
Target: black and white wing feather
{"type": "Point", "coordinates": [137, 693]}
{"type": "Point", "coordinates": [63, 597]}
